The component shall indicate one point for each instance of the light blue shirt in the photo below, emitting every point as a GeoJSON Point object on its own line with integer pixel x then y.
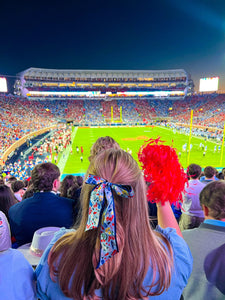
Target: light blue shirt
{"type": "Point", "coordinates": [47, 289]}
{"type": "Point", "coordinates": [215, 222]}
{"type": "Point", "coordinates": [16, 276]}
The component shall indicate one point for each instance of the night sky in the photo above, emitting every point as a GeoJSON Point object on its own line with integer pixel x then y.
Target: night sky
{"type": "Point", "coordinates": [114, 35]}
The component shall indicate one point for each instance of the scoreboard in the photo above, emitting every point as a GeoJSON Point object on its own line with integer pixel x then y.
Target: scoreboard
{"type": "Point", "coordinates": [209, 84]}
{"type": "Point", "coordinates": [3, 85]}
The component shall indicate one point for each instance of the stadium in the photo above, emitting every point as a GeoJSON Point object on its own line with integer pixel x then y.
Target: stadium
{"type": "Point", "coordinates": [131, 106]}
{"type": "Point", "coordinates": [50, 127]}
{"type": "Point", "coordinates": [112, 159]}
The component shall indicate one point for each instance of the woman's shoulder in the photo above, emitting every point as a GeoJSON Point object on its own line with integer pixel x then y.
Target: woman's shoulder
{"type": "Point", "coordinates": [181, 253]}
{"type": "Point", "coordinates": [178, 243]}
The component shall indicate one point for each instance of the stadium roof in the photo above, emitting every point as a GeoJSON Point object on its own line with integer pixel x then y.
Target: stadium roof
{"type": "Point", "coordinates": [104, 73]}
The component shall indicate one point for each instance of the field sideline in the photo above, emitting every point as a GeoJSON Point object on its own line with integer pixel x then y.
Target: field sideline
{"type": "Point", "coordinates": [132, 138]}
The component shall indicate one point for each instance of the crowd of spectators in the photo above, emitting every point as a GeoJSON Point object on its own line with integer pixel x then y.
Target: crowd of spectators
{"type": "Point", "coordinates": [47, 149]}
{"type": "Point", "coordinates": [20, 116]}
{"type": "Point", "coordinates": [112, 190]}
{"type": "Point", "coordinates": [107, 210]}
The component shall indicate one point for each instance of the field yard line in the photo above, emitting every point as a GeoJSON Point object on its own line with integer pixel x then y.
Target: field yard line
{"type": "Point", "coordinates": [192, 135]}
{"type": "Point", "coordinates": [63, 159]}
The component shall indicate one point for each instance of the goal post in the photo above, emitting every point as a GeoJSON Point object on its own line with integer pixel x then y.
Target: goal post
{"type": "Point", "coordinates": [111, 114]}
{"type": "Point", "coordinates": [113, 120]}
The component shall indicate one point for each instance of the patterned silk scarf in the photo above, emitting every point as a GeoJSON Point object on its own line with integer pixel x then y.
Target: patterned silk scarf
{"type": "Point", "coordinates": [102, 211]}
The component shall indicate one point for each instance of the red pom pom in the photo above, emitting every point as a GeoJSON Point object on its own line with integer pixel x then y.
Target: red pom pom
{"type": "Point", "coordinates": [162, 171]}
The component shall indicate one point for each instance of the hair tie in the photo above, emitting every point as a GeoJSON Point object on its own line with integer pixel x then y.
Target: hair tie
{"type": "Point", "coordinates": [102, 211]}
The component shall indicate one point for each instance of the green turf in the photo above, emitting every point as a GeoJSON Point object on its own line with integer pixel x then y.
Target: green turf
{"type": "Point", "coordinates": [133, 138]}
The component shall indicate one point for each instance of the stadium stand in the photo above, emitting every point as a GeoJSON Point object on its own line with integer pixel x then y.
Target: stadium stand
{"type": "Point", "coordinates": [36, 83]}
{"type": "Point", "coordinates": [21, 117]}
{"type": "Point", "coordinates": [88, 98]}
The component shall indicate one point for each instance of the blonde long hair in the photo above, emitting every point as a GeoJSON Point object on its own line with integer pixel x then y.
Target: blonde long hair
{"type": "Point", "coordinates": [73, 258]}
{"type": "Point", "coordinates": [102, 143]}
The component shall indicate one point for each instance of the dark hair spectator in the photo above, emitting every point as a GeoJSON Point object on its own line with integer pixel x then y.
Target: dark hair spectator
{"type": "Point", "coordinates": [194, 171]}
{"type": "Point", "coordinates": [80, 180]}
{"type": "Point", "coordinates": [192, 214]}
{"type": "Point", "coordinates": [45, 208]}
{"type": "Point", "coordinates": [213, 197]}
{"type": "Point", "coordinates": [66, 183]}
{"type": "Point", "coordinates": [71, 188]}
{"type": "Point", "coordinates": [18, 189]}
{"type": "Point", "coordinates": [10, 180]}
{"type": "Point", "coordinates": [220, 175]}
{"type": "Point", "coordinates": [209, 172]}
{"type": "Point", "coordinates": [74, 193]}
{"type": "Point", "coordinates": [17, 185]}
{"type": "Point", "coordinates": [7, 199]}
{"type": "Point", "coordinates": [43, 176]}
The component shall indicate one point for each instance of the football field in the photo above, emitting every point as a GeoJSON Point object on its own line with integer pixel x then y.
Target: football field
{"type": "Point", "coordinates": [132, 138]}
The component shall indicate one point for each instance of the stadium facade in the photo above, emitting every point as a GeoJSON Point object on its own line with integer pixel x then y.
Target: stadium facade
{"type": "Point", "coordinates": [37, 83]}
